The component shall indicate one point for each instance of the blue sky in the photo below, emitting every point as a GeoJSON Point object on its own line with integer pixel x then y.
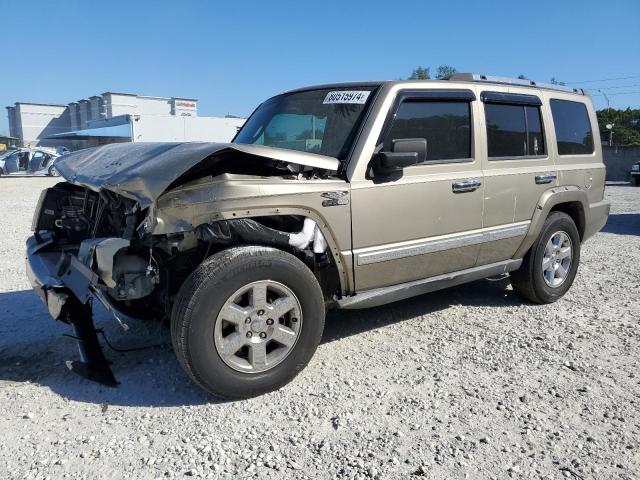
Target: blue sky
{"type": "Point", "coordinates": [231, 55]}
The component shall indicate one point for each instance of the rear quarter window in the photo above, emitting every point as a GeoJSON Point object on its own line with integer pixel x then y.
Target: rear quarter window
{"type": "Point", "coordinates": [573, 128]}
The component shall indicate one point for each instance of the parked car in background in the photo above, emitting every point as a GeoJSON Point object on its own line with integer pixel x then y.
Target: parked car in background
{"type": "Point", "coordinates": [634, 175]}
{"type": "Point", "coordinates": [29, 161]}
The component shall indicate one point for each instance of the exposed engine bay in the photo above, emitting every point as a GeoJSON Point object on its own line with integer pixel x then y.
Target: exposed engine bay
{"type": "Point", "coordinates": [135, 273]}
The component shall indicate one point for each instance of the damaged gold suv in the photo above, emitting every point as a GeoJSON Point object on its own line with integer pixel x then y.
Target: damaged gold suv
{"type": "Point", "coordinates": [347, 195]}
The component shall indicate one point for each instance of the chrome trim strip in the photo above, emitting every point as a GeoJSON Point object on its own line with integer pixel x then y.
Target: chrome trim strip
{"type": "Point", "coordinates": [393, 293]}
{"type": "Point", "coordinates": [367, 256]}
{"type": "Point", "coordinates": [505, 232]}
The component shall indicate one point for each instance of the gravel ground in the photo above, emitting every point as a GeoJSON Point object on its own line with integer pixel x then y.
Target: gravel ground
{"type": "Point", "coordinates": [464, 383]}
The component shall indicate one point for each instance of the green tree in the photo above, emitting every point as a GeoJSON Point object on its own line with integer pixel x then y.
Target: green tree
{"type": "Point", "coordinates": [445, 71]}
{"type": "Point", "coordinates": [626, 125]}
{"type": "Point", "coordinates": [420, 74]}
{"type": "Point", "coordinates": [623, 136]}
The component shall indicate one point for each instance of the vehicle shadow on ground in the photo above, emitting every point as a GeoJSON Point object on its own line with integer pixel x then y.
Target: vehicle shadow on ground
{"type": "Point", "coordinates": [34, 348]}
{"type": "Point", "coordinates": [618, 183]}
{"type": "Point", "coordinates": [623, 224]}
{"type": "Point", "coordinates": [345, 323]}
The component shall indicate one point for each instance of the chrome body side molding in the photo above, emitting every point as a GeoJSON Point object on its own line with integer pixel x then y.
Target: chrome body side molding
{"type": "Point", "coordinates": [366, 256]}
{"type": "Point", "coordinates": [394, 293]}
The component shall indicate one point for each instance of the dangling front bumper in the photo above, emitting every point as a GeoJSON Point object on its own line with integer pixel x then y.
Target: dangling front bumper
{"type": "Point", "coordinates": [66, 286]}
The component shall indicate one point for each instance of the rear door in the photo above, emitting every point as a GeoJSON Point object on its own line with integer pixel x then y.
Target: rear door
{"type": "Point", "coordinates": [517, 168]}
{"type": "Point", "coordinates": [37, 161]}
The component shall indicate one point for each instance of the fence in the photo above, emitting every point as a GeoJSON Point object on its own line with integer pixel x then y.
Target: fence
{"type": "Point", "coordinates": [619, 160]}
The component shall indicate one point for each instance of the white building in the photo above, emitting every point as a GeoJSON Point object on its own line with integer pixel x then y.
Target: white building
{"type": "Point", "coordinates": [117, 117]}
{"type": "Point", "coordinates": [31, 122]}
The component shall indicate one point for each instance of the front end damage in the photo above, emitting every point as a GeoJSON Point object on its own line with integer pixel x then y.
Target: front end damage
{"type": "Point", "coordinates": [99, 240]}
{"type": "Point", "coordinates": [82, 249]}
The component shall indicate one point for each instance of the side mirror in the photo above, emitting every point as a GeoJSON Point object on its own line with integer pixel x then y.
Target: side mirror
{"type": "Point", "coordinates": [404, 153]}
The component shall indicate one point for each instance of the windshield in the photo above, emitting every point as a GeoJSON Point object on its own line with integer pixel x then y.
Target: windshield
{"type": "Point", "coordinates": [320, 121]}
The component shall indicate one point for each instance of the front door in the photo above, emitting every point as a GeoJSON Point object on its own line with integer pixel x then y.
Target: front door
{"type": "Point", "coordinates": [424, 221]}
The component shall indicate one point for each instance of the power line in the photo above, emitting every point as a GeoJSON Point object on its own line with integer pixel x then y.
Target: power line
{"type": "Point", "coordinates": [614, 87]}
{"type": "Point", "coordinates": [617, 93]}
{"type": "Point", "coordinates": [606, 79]}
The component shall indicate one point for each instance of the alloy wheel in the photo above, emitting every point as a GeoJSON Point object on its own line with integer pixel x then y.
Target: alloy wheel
{"type": "Point", "coordinates": [258, 326]}
{"type": "Point", "coordinates": [556, 261]}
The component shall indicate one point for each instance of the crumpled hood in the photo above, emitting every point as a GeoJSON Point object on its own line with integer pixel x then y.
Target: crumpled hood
{"type": "Point", "coordinates": [143, 171]}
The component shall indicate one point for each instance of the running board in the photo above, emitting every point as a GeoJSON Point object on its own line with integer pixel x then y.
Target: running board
{"type": "Point", "coordinates": [394, 293]}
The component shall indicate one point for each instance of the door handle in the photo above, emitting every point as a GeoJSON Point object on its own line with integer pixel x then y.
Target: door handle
{"type": "Point", "coordinates": [546, 177]}
{"type": "Point", "coordinates": [463, 186]}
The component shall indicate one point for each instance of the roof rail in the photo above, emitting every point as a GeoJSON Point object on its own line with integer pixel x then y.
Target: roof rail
{"type": "Point", "coordinates": [521, 82]}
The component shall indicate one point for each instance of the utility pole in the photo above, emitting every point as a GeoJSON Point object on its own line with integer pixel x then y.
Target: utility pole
{"type": "Point", "coordinates": [609, 125]}
{"type": "Point", "coordinates": [610, 128]}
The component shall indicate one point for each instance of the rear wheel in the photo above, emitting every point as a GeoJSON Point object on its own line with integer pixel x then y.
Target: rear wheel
{"type": "Point", "coordinates": [550, 266]}
{"type": "Point", "coordinates": [247, 321]}
{"type": "Point", "coordinates": [636, 181]}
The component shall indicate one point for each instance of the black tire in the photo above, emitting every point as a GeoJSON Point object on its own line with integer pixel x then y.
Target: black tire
{"type": "Point", "coordinates": [636, 181]}
{"type": "Point", "coordinates": [528, 280]}
{"type": "Point", "coordinates": [205, 292]}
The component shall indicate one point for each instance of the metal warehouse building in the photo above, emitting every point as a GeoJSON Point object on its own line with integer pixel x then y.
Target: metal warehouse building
{"type": "Point", "coordinates": [117, 117]}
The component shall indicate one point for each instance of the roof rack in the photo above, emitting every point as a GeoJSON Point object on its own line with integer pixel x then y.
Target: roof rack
{"type": "Point", "coordinates": [521, 82]}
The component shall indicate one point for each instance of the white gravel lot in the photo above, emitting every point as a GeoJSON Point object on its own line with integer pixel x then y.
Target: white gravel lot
{"type": "Point", "coordinates": [465, 383]}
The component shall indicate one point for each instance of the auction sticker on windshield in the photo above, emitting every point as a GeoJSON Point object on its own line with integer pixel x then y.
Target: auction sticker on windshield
{"type": "Point", "coordinates": [347, 96]}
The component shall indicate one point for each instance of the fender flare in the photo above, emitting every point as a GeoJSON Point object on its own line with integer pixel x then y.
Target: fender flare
{"type": "Point", "coordinates": [549, 199]}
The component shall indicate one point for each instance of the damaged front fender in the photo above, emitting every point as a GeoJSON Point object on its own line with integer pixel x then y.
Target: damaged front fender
{"type": "Point", "coordinates": [231, 197]}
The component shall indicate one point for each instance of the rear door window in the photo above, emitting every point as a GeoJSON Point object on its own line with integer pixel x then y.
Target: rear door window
{"type": "Point", "coordinates": [535, 138]}
{"type": "Point", "coordinates": [573, 128]}
{"type": "Point", "coordinates": [514, 130]}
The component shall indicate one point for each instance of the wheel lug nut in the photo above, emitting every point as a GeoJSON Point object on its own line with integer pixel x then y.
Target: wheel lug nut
{"type": "Point", "coordinates": [269, 321]}
{"type": "Point", "coordinates": [249, 334]}
{"type": "Point", "coordinates": [294, 319]}
{"type": "Point", "coordinates": [263, 335]}
{"type": "Point", "coordinates": [247, 320]}
{"type": "Point", "coordinates": [260, 312]}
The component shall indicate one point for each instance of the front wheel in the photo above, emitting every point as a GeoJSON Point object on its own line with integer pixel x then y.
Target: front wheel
{"type": "Point", "coordinates": [550, 266]}
{"type": "Point", "coordinates": [636, 181]}
{"type": "Point", "coordinates": [247, 321]}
